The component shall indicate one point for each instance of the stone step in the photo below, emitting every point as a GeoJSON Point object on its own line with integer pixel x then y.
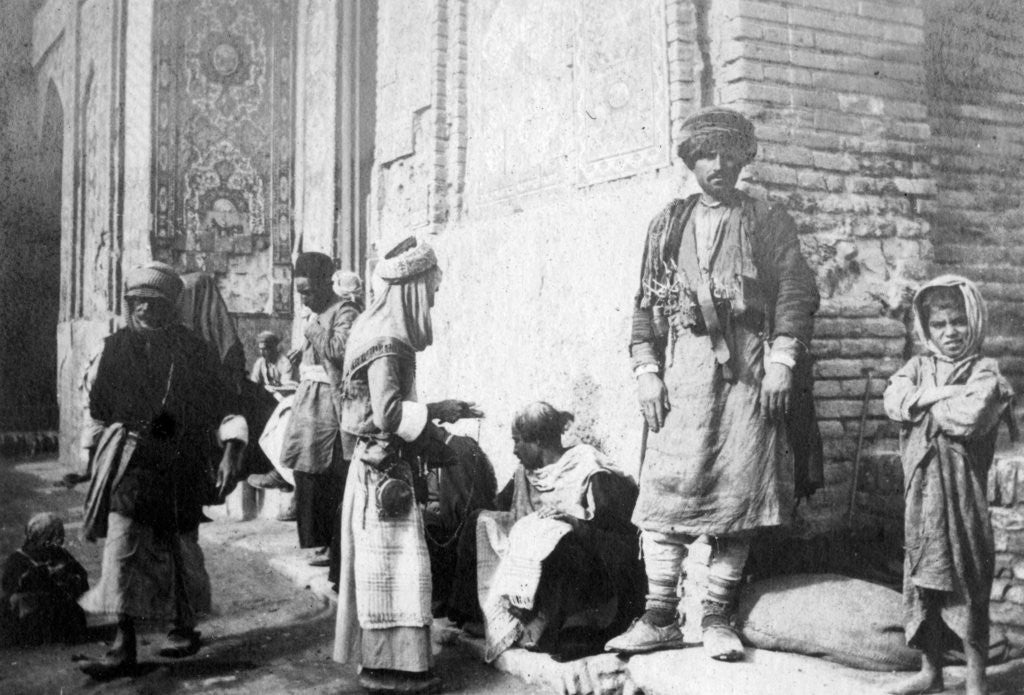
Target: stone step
{"type": "Point", "coordinates": [246, 503]}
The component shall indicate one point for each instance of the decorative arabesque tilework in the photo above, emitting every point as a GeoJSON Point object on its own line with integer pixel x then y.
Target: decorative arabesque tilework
{"type": "Point", "coordinates": [223, 145]}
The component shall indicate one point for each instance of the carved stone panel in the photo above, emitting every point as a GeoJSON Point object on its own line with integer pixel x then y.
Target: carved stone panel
{"type": "Point", "coordinates": [223, 144]}
{"type": "Point", "coordinates": [564, 93]}
{"type": "Point", "coordinates": [520, 97]}
{"type": "Point", "coordinates": [622, 106]}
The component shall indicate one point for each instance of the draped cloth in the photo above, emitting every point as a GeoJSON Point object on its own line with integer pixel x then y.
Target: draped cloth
{"type": "Point", "coordinates": [204, 312]}
{"type": "Point", "coordinates": [113, 453]}
{"type": "Point", "coordinates": [396, 324]}
{"type": "Point", "coordinates": [946, 451]}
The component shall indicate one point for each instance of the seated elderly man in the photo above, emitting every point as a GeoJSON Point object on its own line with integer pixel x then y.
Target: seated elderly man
{"type": "Point", "coordinates": [559, 572]}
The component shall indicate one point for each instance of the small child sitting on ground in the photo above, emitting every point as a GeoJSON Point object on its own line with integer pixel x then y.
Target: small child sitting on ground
{"type": "Point", "coordinates": [40, 586]}
{"type": "Point", "coordinates": [948, 403]}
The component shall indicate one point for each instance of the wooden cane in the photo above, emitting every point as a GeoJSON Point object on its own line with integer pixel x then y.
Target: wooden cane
{"type": "Point", "coordinates": [866, 371]}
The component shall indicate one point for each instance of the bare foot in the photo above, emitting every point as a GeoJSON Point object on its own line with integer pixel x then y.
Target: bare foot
{"type": "Point", "coordinates": [921, 682]}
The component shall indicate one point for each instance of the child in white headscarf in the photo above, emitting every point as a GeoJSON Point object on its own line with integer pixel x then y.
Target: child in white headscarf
{"type": "Point", "coordinates": [948, 402]}
{"type": "Point", "coordinates": [40, 587]}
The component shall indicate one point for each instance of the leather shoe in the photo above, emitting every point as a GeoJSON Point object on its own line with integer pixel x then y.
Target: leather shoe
{"type": "Point", "coordinates": [269, 481]}
{"type": "Point", "coordinates": [180, 643]}
{"type": "Point", "coordinates": [643, 637]}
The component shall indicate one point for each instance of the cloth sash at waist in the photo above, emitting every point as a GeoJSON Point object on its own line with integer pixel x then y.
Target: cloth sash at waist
{"type": "Point", "coordinates": [313, 372]}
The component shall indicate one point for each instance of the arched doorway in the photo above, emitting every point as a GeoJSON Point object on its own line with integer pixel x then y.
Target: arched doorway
{"type": "Point", "coordinates": [33, 283]}
{"type": "Point", "coordinates": [31, 267]}
{"type": "Point", "coordinates": [45, 262]}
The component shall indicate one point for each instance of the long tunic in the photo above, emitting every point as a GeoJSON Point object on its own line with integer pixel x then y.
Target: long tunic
{"type": "Point", "coordinates": [314, 428]}
{"type": "Point", "coordinates": [946, 449]}
{"type": "Point", "coordinates": [384, 593]}
{"type": "Point", "coordinates": [718, 466]}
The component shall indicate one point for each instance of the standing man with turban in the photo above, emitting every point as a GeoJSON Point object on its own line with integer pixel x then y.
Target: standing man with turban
{"type": "Point", "coordinates": [160, 394]}
{"type": "Point", "coordinates": [722, 321]}
{"type": "Point", "coordinates": [314, 446]}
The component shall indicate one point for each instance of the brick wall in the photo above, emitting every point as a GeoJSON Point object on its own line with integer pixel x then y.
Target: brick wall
{"type": "Point", "coordinates": [836, 90]}
{"type": "Point", "coordinates": [489, 149]}
{"type": "Point", "coordinates": [975, 88]}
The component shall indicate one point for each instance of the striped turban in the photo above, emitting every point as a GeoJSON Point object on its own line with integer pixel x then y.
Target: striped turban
{"type": "Point", "coordinates": [717, 129]}
{"type": "Point", "coordinates": [154, 280]}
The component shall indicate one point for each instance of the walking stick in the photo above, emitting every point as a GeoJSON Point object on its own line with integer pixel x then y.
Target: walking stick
{"type": "Point", "coordinates": [866, 371]}
{"type": "Point", "coordinates": [643, 449]}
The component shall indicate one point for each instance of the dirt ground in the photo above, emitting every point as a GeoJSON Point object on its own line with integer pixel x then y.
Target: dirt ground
{"type": "Point", "coordinates": [265, 636]}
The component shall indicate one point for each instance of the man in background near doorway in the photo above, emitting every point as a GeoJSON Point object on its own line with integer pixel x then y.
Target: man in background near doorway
{"type": "Point", "coordinates": [314, 446]}
{"type": "Point", "coordinates": [273, 370]}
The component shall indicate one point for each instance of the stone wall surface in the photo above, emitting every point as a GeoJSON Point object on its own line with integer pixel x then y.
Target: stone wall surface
{"type": "Point", "coordinates": [559, 136]}
{"type": "Point", "coordinates": [1006, 497]}
{"type": "Point", "coordinates": [79, 56]}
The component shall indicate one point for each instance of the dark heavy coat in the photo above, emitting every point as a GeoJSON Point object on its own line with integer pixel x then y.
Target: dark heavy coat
{"type": "Point", "coordinates": [173, 392]}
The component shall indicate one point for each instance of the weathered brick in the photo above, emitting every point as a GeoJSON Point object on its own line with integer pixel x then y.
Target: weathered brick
{"type": "Point", "coordinates": [1014, 634]}
{"type": "Point", "coordinates": [1004, 565]}
{"type": "Point", "coordinates": [778, 174]}
{"type": "Point", "coordinates": [999, 589]}
{"type": "Point", "coordinates": [759, 11]}
{"type": "Point", "coordinates": [742, 69]}
{"type": "Point", "coordinates": [1007, 613]}
{"type": "Point", "coordinates": [891, 13]}
{"type": "Point", "coordinates": [830, 428]}
{"type": "Point", "coordinates": [795, 155]}
{"type": "Point", "coordinates": [874, 327]}
{"type": "Point", "coordinates": [816, 19]}
{"type": "Point", "coordinates": [815, 98]}
{"type": "Point", "coordinates": [835, 161]}
{"type": "Point", "coordinates": [870, 347]}
{"type": "Point", "coordinates": [834, 409]}
{"type": "Point", "coordinates": [851, 368]}
{"type": "Point", "coordinates": [1015, 594]}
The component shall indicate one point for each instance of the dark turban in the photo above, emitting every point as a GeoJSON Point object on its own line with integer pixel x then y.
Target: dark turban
{"type": "Point", "coordinates": [717, 129]}
{"type": "Point", "coordinates": [313, 265]}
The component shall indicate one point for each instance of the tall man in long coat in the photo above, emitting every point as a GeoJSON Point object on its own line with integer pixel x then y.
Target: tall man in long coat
{"type": "Point", "coordinates": [723, 317]}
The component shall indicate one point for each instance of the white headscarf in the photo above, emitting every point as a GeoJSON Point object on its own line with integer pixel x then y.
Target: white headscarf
{"type": "Point", "coordinates": [974, 307]}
